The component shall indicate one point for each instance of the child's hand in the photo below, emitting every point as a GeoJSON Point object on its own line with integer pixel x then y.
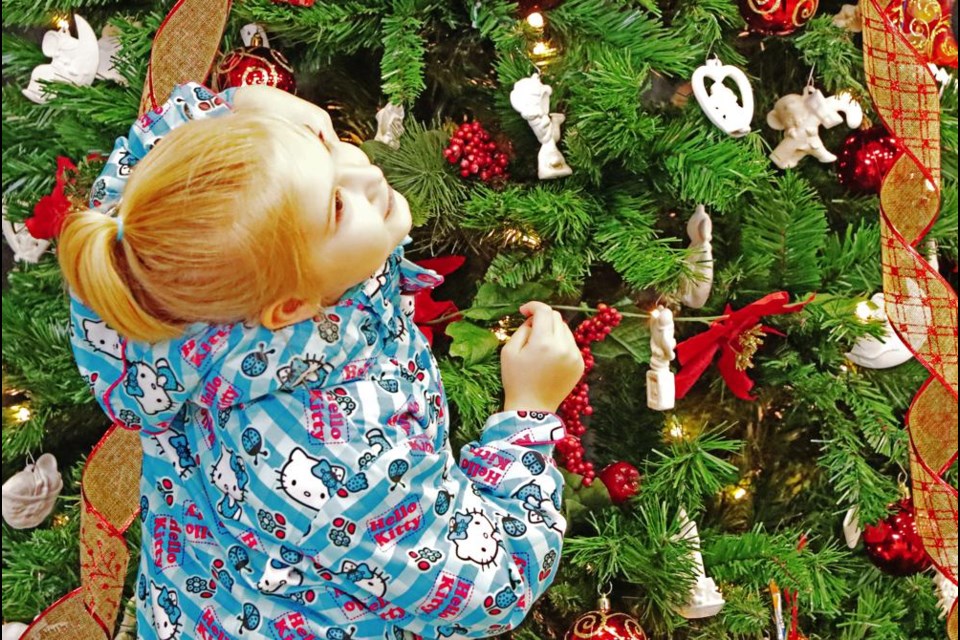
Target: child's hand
{"type": "Point", "coordinates": [541, 363]}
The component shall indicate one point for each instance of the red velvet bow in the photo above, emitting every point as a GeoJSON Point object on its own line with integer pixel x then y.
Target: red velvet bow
{"type": "Point", "coordinates": [51, 210]}
{"type": "Point", "coordinates": [695, 354]}
{"type": "Point", "coordinates": [426, 308]}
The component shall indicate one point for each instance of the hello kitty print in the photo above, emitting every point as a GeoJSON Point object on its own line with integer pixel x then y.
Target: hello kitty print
{"type": "Point", "coordinates": [301, 483]}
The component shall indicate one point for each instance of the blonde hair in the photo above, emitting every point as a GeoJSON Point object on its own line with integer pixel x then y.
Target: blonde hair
{"type": "Point", "coordinates": [212, 232]}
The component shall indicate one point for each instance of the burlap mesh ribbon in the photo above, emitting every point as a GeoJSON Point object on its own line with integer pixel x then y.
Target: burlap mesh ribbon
{"type": "Point", "coordinates": [184, 49]}
{"type": "Point", "coordinates": [921, 305]}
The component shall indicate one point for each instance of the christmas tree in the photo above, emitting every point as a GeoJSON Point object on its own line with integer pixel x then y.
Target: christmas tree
{"type": "Point", "coordinates": [586, 153]}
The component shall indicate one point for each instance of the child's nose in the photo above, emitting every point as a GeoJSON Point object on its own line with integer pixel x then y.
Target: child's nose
{"type": "Point", "coordinates": [367, 180]}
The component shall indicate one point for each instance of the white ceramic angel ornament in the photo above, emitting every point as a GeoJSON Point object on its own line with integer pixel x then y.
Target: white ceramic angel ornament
{"type": "Point", "coordinates": [946, 593]}
{"type": "Point", "coordinates": [849, 18]}
{"type": "Point", "coordinates": [13, 630]}
{"type": "Point", "coordinates": [851, 527]}
{"type": "Point", "coordinates": [531, 98]}
{"type": "Point", "coordinates": [390, 125]}
{"type": "Point", "coordinates": [695, 290]}
{"type": "Point", "coordinates": [721, 104]}
{"type": "Point", "coordinates": [800, 118]}
{"type": "Point", "coordinates": [705, 599]}
{"type": "Point", "coordinates": [25, 247]}
{"type": "Point", "coordinates": [890, 350]}
{"type": "Point", "coordinates": [109, 46]}
{"type": "Point", "coordinates": [661, 385]}
{"type": "Point", "coordinates": [29, 495]}
{"type": "Point", "coordinates": [74, 60]}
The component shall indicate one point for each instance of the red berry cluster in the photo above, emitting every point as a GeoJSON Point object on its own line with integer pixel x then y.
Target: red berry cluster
{"type": "Point", "coordinates": [472, 148]}
{"type": "Point", "coordinates": [577, 404]}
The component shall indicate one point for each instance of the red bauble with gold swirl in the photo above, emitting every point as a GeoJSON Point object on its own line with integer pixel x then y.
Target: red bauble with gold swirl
{"type": "Point", "coordinates": [604, 624]}
{"type": "Point", "coordinates": [254, 65]}
{"type": "Point", "coordinates": [777, 17]}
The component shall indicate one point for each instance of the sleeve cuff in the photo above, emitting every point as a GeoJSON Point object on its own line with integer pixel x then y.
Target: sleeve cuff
{"type": "Point", "coordinates": [525, 428]}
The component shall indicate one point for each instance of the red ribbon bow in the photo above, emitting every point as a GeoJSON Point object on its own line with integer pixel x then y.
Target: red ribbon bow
{"type": "Point", "coordinates": [695, 354]}
{"type": "Point", "coordinates": [426, 308]}
{"type": "Point", "coordinates": [51, 210]}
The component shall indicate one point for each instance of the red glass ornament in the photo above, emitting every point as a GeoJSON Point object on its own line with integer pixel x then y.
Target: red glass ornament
{"type": "Point", "coordinates": [865, 157]}
{"type": "Point", "coordinates": [927, 26]}
{"type": "Point", "coordinates": [894, 545]}
{"type": "Point", "coordinates": [604, 624]}
{"type": "Point", "coordinates": [254, 65]}
{"type": "Point", "coordinates": [776, 17]}
{"type": "Point", "coordinates": [622, 481]}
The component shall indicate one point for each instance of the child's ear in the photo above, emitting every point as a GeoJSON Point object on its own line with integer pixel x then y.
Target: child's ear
{"type": "Point", "coordinates": [284, 313]}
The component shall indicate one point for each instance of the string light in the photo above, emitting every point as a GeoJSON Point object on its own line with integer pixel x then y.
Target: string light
{"type": "Point", "coordinates": [21, 413]}
{"type": "Point", "coordinates": [501, 331]}
{"type": "Point", "coordinates": [536, 20]}
{"type": "Point", "coordinates": [62, 23]}
{"type": "Point", "coordinates": [543, 49]}
{"type": "Point", "coordinates": [738, 494]}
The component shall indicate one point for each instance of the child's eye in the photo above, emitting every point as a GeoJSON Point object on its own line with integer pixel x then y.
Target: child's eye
{"type": "Point", "coordinates": [338, 203]}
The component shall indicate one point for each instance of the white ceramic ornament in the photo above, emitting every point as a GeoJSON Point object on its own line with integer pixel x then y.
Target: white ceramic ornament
{"type": "Point", "coordinates": [390, 125]}
{"type": "Point", "coordinates": [25, 247]}
{"type": "Point", "coordinates": [849, 18]}
{"type": "Point", "coordinates": [719, 102]}
{"type": "Point", "coordinates": [531, 99]}
{"type": "Point", "coordinates": [705, 599]}
{"type": "Point", "coordinates": [74, 60]}
{"type": "Point", "coordinates": [109, 46]}
{"type": "Point", "coordinates": [695, 291]}
{"type": "Point", "coordinates": [29, 495]}
{"type": "Point", "coordinates": [943, 76]}
{"type": "Point", "coordinates": [13, 630]}
{"type": "Point", "coordinates": [890, 351]}
{"type": "Point", "coordinates": [851, 527]}
{"type": "Point", "coordinates": [661, 385]}
{"type": "Point", "coordinates": [946, 593]}
{"type": "Point", "coordinates": [800, 118]}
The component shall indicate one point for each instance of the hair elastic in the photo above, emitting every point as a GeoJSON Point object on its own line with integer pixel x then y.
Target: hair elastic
{"type": "Point", "coordinates": [119, 228]}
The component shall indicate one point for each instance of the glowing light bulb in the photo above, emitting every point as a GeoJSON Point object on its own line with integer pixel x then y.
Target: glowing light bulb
{"type": "Point", "coordinates": [677, 432]}
{"type": "Point", "coordinates": [21, 413]}
{"type": "Point", "coordinates": [542, 49]}
{"type": "Point", "coordinates": [536, 20]}
{"type": "Point", "coordinates": [62, 23]}
{"type": "Point", "coordinates": [739, 493]}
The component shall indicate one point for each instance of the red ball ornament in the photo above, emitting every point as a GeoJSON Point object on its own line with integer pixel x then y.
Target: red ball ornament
{"type": "Point", "coordinates": [254, 65]}
{"type": "Point", "coordinates": [622, 481]}
{"type": "Point", "coordinates": [776, 17]}
{"type": "Point", "coordinates": [865, 157]}
{"type": "Point", "coordinates": [604, 624]}
{"type": "Point", "coordinates": [894, 545]}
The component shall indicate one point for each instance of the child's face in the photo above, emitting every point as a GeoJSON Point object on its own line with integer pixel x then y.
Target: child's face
{"type": "Point", "coordinates": [359, 218]}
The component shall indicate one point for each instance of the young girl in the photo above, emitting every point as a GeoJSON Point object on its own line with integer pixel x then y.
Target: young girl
{"type": "Point", "coordinates": [242, 307]}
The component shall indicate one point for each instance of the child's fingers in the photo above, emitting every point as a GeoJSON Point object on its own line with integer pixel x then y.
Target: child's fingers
{"type": "Point", "coordinates": [561, 331]}
{"type": "Point", "coordinates": [519, 338]}
{"type": "Point", "coordinates": [542, 322]}
{"type": "Point", "coordinates": [533, 307]}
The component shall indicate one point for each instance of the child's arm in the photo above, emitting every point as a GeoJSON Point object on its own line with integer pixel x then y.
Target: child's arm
{"type": "Point", "coordinates": [442, 547]}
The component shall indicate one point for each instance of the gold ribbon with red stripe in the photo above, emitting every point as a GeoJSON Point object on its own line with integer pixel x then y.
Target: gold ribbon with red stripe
{"type": "Point", "coordinates": [184, 50]}
{"type": "Point", "coordinates": [921, 305]}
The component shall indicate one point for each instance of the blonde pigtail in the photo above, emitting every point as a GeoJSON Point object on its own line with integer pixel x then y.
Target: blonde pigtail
{"type": "Point", "coordinates": [94, 265]}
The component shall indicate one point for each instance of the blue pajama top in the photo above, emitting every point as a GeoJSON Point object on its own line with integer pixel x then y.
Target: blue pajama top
{"type": "Point", "coordinates": [299, 483]}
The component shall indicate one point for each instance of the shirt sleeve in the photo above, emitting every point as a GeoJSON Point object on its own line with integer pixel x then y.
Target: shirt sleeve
{"type": "Point", "coordinates": [444, 548]}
